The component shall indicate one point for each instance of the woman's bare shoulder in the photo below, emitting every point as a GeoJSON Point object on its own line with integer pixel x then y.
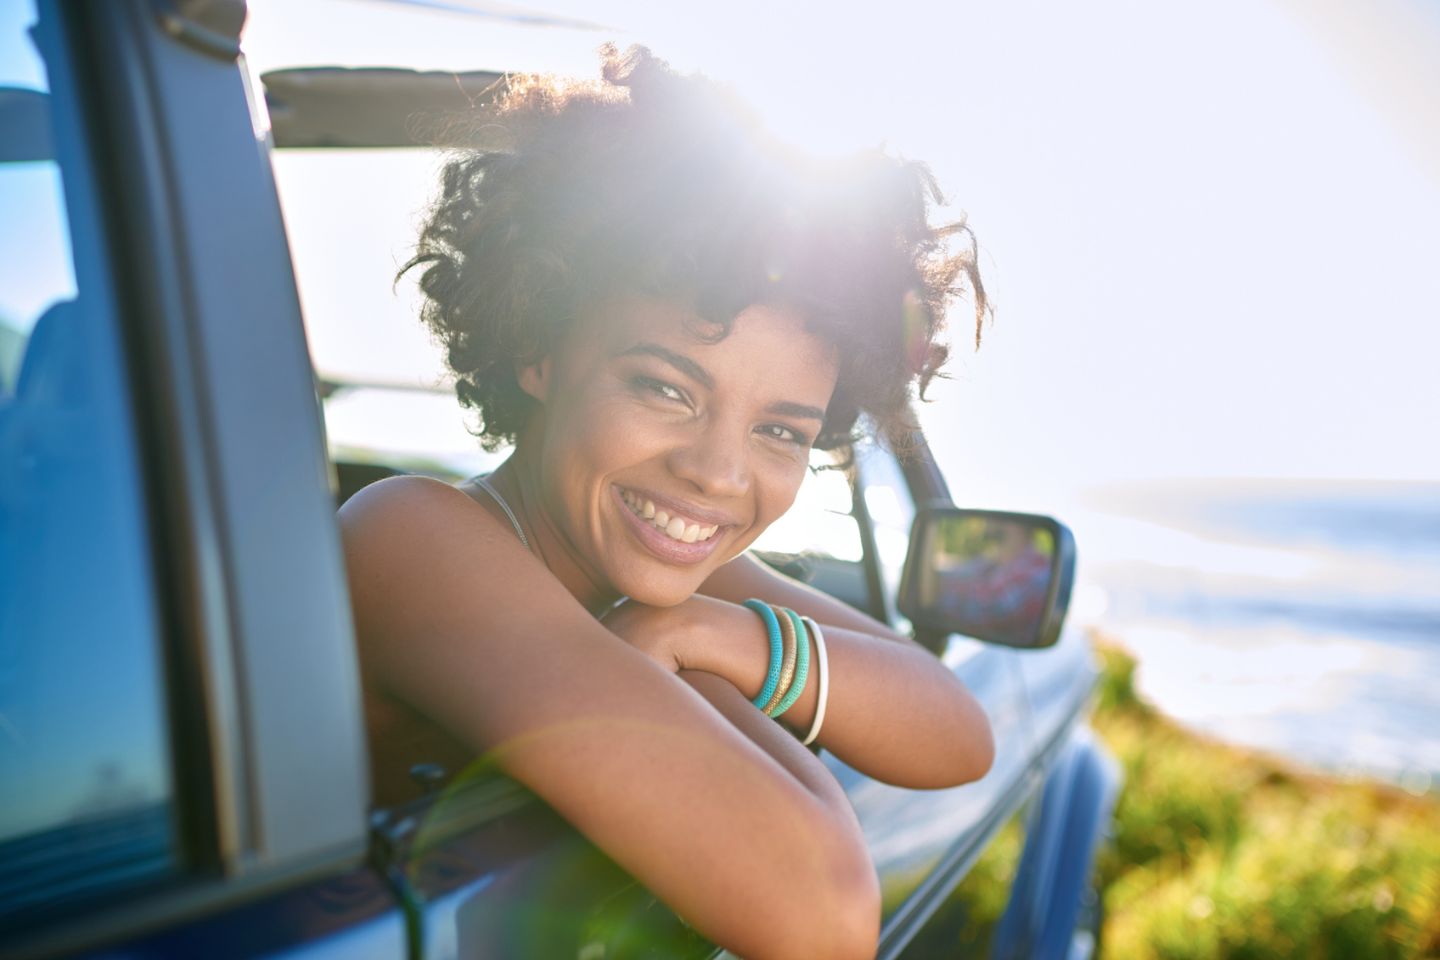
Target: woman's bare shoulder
{"type": "Point", "coordinates": [424, 560]}
{"type": "Point", "coordinates": [409, 496]}
{"type": "Point", "coordinates": [413, 512]}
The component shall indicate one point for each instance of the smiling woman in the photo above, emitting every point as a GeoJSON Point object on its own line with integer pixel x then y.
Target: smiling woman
{"type": "Point", "coordinates": [664, 311]}
{"type": "Point", "coordinates": [664, 456]}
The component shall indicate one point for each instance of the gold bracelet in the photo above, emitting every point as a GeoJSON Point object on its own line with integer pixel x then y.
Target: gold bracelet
{"type": "Point", "coordinates": [787, 663]}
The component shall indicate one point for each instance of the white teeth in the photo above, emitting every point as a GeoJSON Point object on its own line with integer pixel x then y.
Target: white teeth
{"type": "Point", "coordinates": [673, 527]}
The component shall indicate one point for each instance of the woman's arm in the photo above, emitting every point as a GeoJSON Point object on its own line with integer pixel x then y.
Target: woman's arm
{"type": "Point", "coordinates": [455, 618]}
{"type": "Point", "coordinates": [768, 736]}
{"type": "Point", "coordinates": [895, 711]}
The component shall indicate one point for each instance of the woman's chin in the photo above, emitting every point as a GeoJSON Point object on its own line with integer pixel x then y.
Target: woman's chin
{"type": "Point", "coordinates": [657, 584]}
{"type": "Point", "coordinates": [654, 594]}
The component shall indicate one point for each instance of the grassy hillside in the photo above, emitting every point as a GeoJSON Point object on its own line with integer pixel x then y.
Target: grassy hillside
{"type": "Point", "coordinates": [1223, 852]}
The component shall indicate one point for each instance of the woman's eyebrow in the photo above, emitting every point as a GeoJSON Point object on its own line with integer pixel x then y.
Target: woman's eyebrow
{"type": "Point", "coordinates": [680, 362]}
{"type": "Point", "coordinates": [694, 371]}
{"type": "Point", "coordinates": [784, 408]}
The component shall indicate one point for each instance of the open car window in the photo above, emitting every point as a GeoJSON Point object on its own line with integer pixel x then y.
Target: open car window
{"type": "Point", "coordinates": [818, 541]}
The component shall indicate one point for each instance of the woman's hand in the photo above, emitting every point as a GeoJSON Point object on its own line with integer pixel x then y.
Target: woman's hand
{"type": "Point", "coordinates": [685, 635]}
{"type": "Point", "coordinates": [645, 628]}
{"type": "Point", "coordinates": [651, 630]}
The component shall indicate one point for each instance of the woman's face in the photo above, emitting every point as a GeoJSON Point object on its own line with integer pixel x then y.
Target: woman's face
{"type": "Point", "coordinates": [661, 456]}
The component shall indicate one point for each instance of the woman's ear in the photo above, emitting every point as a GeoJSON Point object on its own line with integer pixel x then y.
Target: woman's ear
{"type": "Point", "coordinates": [534, 378]}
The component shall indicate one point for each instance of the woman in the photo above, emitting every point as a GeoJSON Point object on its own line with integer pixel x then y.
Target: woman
{"type": "Point", "coordinates": [664, 312]}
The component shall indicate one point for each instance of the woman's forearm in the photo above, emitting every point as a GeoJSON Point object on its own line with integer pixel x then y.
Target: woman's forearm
{"type": "Point", "coordinates": [895, 712]}
{"type": "Point", "coordinates": [811, 774]}
{"type": "Point", "coordinates": [779, 744]}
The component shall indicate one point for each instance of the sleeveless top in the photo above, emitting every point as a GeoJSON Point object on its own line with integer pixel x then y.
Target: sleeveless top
{"type": "Point", "coordinates": [482, 481]}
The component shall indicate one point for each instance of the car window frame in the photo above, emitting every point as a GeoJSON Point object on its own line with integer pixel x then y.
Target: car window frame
{"type": "Point", "coordinates": [258, 642]}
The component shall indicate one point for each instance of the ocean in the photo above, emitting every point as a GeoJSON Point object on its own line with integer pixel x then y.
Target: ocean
{"type": "Point", "coordinates": [1297, 617]}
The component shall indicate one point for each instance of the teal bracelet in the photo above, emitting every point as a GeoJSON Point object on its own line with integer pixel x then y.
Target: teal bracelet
{"type": "Point", "coordinates": [802, 665]}
{"type": "Point", "coordinates": [777, 651]}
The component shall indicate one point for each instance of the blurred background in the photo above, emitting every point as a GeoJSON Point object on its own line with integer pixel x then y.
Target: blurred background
{"type": "Point", "coordinates": [1210, 234]}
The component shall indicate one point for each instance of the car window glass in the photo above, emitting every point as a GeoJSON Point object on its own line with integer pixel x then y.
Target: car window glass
{"type": "Point", "coordinates": [86, 790]}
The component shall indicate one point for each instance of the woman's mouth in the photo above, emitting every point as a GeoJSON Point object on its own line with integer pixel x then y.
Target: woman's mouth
{"type": "Point", "coordinates": [667, 533]}
{"type": "Point", "coordinates": [675, 527]}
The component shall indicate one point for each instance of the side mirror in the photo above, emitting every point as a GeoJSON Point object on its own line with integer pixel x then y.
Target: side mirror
{"type": "Point", "coordinates": [1000, 577]}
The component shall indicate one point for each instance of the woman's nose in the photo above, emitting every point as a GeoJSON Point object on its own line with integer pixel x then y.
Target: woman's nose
{"type": "Point", "coordinates": [715, 461]}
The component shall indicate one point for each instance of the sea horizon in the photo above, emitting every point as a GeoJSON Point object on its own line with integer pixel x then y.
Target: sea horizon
{"type": "Point", "coordinates": [1296, 616]}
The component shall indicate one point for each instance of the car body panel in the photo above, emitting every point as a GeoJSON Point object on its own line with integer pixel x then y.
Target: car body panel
{"type": "Point", "coordinates": [350, 915]}
{"type": "Point", "coordinates": [1057, 683]}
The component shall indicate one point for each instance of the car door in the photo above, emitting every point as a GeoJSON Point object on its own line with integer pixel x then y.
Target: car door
{"type": "Point", "coordinates": [924, 841]}
{"type": "Point", "coordinates": [181, 765]}
{"type": "Point", "coordinates": [1058, 680]}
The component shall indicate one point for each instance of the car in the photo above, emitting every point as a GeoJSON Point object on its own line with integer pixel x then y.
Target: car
{"type": "Point", "coordinates": [183, 755]}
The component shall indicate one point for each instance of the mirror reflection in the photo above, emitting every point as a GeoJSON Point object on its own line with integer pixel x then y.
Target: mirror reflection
{"type": "Point", "coordinates": [988, 576]}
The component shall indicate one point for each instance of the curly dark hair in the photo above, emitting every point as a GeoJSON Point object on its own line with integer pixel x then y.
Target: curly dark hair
{"type": "Point", "coordinates": [660, 184]}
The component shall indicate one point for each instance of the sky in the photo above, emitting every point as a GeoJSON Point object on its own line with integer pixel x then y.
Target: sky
{"type": "Point", "coordinates": [1208, 229]}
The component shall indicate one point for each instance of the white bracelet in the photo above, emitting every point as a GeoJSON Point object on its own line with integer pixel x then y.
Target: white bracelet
{"type": "Point", "coordinates": [823, 665]}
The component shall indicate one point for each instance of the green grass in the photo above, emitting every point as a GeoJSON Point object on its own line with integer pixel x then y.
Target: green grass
{"type": "Point", "coordinates": [1224, 852]}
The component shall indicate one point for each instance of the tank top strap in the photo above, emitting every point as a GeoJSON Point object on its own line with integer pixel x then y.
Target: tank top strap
{"type": "Point", "coordinates": [483, 483]}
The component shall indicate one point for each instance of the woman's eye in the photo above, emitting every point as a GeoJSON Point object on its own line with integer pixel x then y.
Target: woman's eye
{"type": "Point", "coordinates": [778, 431]}
{"type": "Point", "coordinates": [661, 389]}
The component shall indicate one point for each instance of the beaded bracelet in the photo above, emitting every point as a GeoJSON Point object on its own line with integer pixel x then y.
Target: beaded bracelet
{"type": "Point", "coordinates": [802, 666]}
{"type": "Point", "coordinates": [777, 650]}
{"type": "Point", "coordinates": [822, 667]}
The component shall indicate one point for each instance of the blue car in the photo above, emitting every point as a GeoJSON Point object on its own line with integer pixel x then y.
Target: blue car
{"type": "Point", "coordinates": [183, 759]}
